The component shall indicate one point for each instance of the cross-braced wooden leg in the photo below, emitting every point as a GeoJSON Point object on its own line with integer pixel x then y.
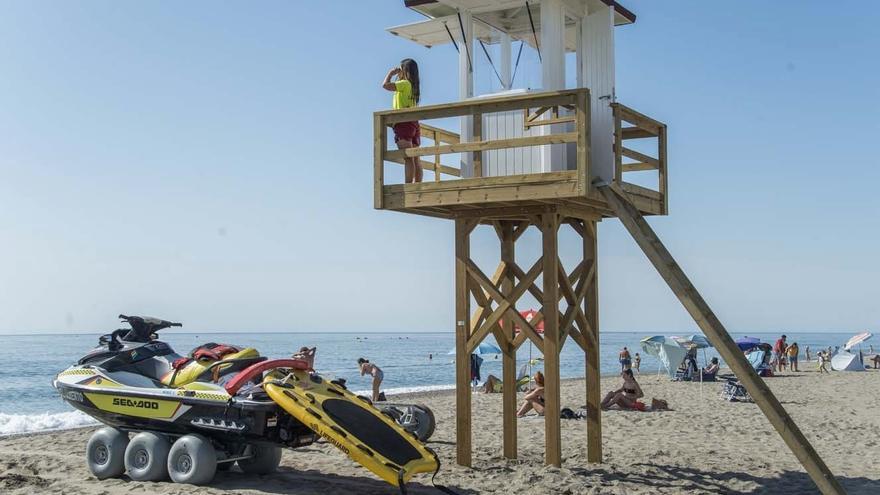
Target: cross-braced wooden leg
{"type": "Point", "coordinates": [508, 362]}
{"type": "Point", "coordinates": [463, 230]}
{"type": "Point", "coordinates": [591, 303]}
{"type": "Point", "coordinates": [552, 434]}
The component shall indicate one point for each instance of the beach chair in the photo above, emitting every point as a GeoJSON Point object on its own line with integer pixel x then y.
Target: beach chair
{"type": "Point", "coordinates": [734, 391]}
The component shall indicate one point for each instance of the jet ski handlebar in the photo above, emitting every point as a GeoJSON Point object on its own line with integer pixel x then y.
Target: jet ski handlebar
{"type": "Point", "coordinates": [142, 327]}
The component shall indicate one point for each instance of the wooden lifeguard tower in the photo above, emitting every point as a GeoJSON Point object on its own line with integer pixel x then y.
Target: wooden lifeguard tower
{"type": "Point", "coordinates": [548, 158]}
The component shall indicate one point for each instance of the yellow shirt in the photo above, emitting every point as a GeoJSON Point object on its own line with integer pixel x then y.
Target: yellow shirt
{"type": "Point", "coordinates": [403, 97]}
{"type": "Point", "coordinates": [792, 350]}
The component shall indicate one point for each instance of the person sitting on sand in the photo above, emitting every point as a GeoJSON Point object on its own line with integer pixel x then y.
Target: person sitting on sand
{"type": "Point", "coordinates": [374, 371]}
{"type": "Point", "coordinates": [534, 399]}
{"type": "Point", "coordinates": [626, 397]}
{"type": "Point", "coordinates": [492, 385]}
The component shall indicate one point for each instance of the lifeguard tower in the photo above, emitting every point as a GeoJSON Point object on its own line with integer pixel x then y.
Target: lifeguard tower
{"type": "Point", "coordinates": [562, 153]}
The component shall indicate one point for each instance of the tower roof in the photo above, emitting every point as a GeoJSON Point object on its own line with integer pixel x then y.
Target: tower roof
{"type": "Point", "coordinates": [490, 16]}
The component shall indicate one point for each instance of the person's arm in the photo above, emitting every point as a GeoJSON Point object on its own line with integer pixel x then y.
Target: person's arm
{"type": "Point", "coordinates": [387, 83]}
{"type": "Point", "coordinates": [639, 393]}
{"type": "Point", "coordinates": [363, 369]}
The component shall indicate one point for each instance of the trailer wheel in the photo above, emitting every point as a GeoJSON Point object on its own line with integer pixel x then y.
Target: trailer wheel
{"type": "Point", "coordinates": [105, 453]}
{"type": "Point", "coordinates": [192, 460]}
{"type": "Point", "coordinates": [146, 457]}
{"type": "Point", "coordinates": [265, 460]}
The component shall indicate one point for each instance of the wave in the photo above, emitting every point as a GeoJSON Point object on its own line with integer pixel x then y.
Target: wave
{"type": "Point", "coordinates": [13, 424]}
{"type": "Point", "coordinates": [408, 390]}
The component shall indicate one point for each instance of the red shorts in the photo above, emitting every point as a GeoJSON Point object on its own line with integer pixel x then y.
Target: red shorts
{"type": "Point", "coordinates": [639, 406]}
{"type": "Point", "coordinates": [408, 131]}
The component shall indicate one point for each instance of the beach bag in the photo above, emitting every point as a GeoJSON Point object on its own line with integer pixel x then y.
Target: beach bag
{"type": "Point", "coordinates": [659, 405]}
{"type": "Point", "coordinates": [567, 413]}
{"type": "Point", "coordinates": [734, 391]}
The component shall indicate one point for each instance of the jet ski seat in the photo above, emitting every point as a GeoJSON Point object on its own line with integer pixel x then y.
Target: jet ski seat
{"type": "Point", "coordinates": [212, 363]}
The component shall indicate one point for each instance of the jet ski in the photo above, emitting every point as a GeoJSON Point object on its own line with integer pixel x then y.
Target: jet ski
{"type": "Point", "coordinates": [185, 417]}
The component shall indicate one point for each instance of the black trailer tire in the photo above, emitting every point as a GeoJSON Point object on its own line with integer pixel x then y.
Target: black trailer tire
{"type": "Point", "coordinates": [105, 453]}
{"type": "Point", "coordinates": [146, 457]}
{"type": "Point", "coordinates": [192, 460]}
{"type": "Point", "coordinates": [425, 431]}
{"type": "Point", "coordinates": [265, 460]}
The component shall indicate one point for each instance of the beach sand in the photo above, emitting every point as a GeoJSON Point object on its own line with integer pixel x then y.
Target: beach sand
{"type": "Point", "coordinates": [704, 445]}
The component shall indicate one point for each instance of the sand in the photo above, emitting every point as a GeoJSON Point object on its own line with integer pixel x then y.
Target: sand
{"type": "Point", "coordinates": [704, 445]}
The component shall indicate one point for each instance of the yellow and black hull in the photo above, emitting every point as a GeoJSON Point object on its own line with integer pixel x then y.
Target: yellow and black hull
{"type": "Point", "coordinates": [353, 425]}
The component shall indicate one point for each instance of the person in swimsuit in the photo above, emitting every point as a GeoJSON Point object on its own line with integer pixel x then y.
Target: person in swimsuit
{"type": "Point", "coordinates": [374, 371]}
{"type": "Point", "coordinates": [625, 360]}
{"type": "Point", "coordinates": [627, 395]}
{"type": "Point", "coordinates": [406, 95]}
{"type": "Point", "coordinates": [534, 399]}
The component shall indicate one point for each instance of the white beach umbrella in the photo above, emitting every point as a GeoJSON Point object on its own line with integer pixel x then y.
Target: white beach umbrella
{"type": "Point", "coordinates": [857, 339]}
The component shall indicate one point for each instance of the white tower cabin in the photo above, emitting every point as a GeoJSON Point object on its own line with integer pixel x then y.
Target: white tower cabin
{"type": "Point", "coordinates": [544, 144]}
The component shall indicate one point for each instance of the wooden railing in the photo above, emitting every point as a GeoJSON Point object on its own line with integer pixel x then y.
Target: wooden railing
{"type": "Point", "coordinates": [446, 142]}
{"type": "Point", "coordinates": [640, 127]}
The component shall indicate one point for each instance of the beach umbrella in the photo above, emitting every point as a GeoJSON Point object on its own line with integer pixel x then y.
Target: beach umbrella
{"type": "Point", "coordinates": [529, 314]}
{"type": "Point", "coordinates": [483, 349]}
{"type": "Point", "coordinates": [667, 350]}
{"type": "Point", "coordinates": [700, 341]}
{"type": "Point", "coordinates": [746, 343]}
{"type": "Point", "coordinates": [856, 340]}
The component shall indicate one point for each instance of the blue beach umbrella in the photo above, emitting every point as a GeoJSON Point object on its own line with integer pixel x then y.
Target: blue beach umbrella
{"type": "Point", "coordinates": [483, 349]}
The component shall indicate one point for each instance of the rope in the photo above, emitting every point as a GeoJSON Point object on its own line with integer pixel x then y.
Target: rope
{"type": "Point", "coordinates": [464, 42]}
{"type": "Point", "coordinates": [534, 33]}
{"type": "Point", "coordinates": [451, 38]}
{"type": "Point", "coordinates": [516, 66]}
{"type": "Point", "coordinates": [491, 63]}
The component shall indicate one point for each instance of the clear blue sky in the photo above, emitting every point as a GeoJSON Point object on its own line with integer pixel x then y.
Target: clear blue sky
{"type": "Point", "coordinates": [211, 163]}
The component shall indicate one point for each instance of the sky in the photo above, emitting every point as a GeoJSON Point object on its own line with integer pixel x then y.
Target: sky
{"type": "Point", "coordinates": [211, 163]}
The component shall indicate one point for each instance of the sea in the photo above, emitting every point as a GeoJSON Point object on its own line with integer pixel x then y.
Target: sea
{"type": "Point", "coordinates": [411, 362]}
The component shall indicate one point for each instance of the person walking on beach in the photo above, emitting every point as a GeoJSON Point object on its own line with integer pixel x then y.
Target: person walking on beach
{"type": "Point", "coordinates": [637, 362]}
{"type": "Point", "coordinates": [406, 95]}
{"type": "Point", "coordinates": [823, 360]}
{"type": "Point", "coordinates": [779, 353]}
{"type": "Point", "coordinates": [625, 359]}
{"type": "Point", "coordinates": [807, 352]}
{"type": "Point", "coordinates": [792, 352]}
{"type": "Point", "coordinates": [368, 368]}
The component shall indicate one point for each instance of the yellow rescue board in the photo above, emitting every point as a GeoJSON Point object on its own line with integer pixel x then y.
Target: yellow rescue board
{"type": "Point", "coordinates": [351, 424]}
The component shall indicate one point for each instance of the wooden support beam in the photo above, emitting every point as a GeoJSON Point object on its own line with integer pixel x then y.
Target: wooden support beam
{"type": "Point", "coordinates": [591, 334]}
{"type": "Point", "coordinates": [463, 230]}
{"type": "Point", "coordinates": [641, 157]}
{"type": "Point", "coordinates": [552, 432]}
{"type": "Point", "coordinates": [508, 359]}
{"type": "Point", "coordinates": [638, 167]}
{"type": "Point", "coordinates": [716, 333]}
{"type": "Point", "coordinates": [476, 146]}
{"type": "Point", "coordinates": [636, 133]}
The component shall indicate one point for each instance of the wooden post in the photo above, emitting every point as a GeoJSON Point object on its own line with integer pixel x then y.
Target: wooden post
{"type": "Point", "coordinates": [662, 180]}
{"type": "Point", "coordinates": [582, 127]}
{"type": "Point", "coordinates": [594, 393]}
{"type": "Point", "coordinates": [508, 362]}
{"type": "Point", "coordinates": [550, 309]}
{"type": "Point", "coordinates": [618, 144]}
{"type": "Point", "coordinates": [463, 230]}
{"type": "Point", "coordinates": [379, 145]}
{"type": "Point", "coordinates": [716, 333]}
{"type": "Point", "coordinates": [478, 136]}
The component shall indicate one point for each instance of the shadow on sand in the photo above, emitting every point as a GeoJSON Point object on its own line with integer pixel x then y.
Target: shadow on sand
{"type": "Point", "coordinates": [312, 482]}
{"type": "Point", "coordinates": [672, 478]}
